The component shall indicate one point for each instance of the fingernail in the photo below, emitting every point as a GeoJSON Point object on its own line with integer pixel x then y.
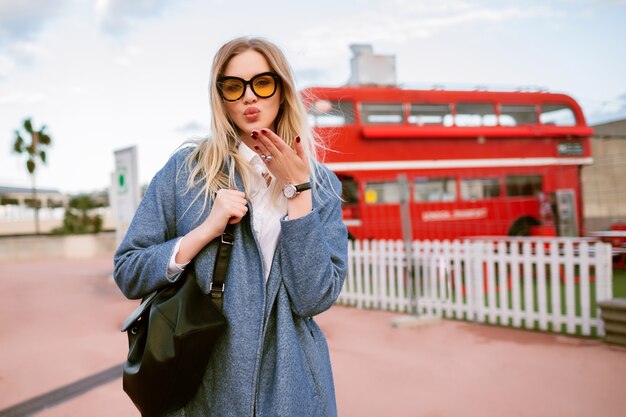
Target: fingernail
{"type": "Point", "coordinates": [265, 131]}
{"type": "Point", "coordinates": [256, 147]}
{"type": "Point", "coordinates": [254, 134]}
{"type": "Point", "coordinates": [298, 139]}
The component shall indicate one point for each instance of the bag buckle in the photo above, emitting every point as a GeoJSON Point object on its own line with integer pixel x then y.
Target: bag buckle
{"type": "Point", "coordinates": [228, 239]}
{"type": "Point", "coordinates": [216, 290]}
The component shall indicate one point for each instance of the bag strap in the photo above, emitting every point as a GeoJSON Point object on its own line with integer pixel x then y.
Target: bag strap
{"type": "Point", "coordinates": [216, 288]}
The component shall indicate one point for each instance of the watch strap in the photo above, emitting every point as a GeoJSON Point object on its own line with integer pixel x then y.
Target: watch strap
{"type": "Point", "coordinates": [303, 187]}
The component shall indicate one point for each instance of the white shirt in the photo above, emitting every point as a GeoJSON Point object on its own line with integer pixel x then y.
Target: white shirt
{"type": "Point", "coordinates": [265, 219]}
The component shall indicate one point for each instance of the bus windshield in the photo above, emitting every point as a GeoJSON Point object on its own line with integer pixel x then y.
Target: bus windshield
{"type": "Point", "coordinates": [331, 113]}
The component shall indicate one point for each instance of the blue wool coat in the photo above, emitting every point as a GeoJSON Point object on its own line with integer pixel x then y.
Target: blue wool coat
{"type": "Point", "coordinates": [273, 359]}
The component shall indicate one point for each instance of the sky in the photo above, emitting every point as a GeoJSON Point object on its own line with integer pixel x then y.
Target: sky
{"type": "Point", "coordinates": [103, 75]}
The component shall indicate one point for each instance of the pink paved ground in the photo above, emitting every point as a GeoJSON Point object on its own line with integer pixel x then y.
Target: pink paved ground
{"type": "Point", "coordinates": [60, 320]}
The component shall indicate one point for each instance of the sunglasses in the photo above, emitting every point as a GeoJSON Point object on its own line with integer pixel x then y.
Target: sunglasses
{"type": "Point", "coordinates": [263, 86]}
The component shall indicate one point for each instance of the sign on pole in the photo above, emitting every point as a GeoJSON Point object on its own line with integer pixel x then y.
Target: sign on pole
{"type": "Point", "coordinates": [125, 189]}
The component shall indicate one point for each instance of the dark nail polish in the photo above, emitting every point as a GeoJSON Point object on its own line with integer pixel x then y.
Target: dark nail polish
{"type": "Point", "coordinates": [297, 139]}
{"type": "Point", "coordinates": [254, 134]}
{"type": "Point", "coordinates": [256, 147]}
{"type": "Point", "coordinates": [265, 131]}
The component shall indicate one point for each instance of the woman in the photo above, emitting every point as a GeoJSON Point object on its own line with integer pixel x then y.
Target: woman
{"type": "Point", "coordinates": [257, 170]}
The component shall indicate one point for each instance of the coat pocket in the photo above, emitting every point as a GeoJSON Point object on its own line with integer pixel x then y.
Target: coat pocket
{"type": "Point", "coordinates": [318, 358]}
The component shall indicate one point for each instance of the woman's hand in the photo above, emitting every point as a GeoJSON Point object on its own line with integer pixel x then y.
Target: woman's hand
{"type": "Point", "coordinates": [229, 207]}
{"type": "Point", "coordinates": [287, 165]}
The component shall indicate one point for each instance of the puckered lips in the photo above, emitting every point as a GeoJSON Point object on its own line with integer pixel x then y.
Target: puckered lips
{"type": "Point", "coordinates": [251, 114]}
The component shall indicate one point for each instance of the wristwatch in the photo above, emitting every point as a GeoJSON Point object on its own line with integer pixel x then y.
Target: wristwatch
{"type": "Point", "coordinates": [290, 190]}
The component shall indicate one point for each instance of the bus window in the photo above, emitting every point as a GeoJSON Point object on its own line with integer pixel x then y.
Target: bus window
{"type": "Point", "coordinates": [349, 190]}
{"type": "Point", "coordinates": [480, 188]}
{"type": "Point", "coordinates": [475, 114]}
{"type": "Point", "coordinates": [382, 193]}
{"type": "Point", "coordinates": [430, 114]}
{"type": "Point", "coordinates": [523, 185]}
{"type": "Point", "coordinates": [382, 113]}
{"type": "Point", "coordinates": [434, 189]}
{"type": "Point", "coordinates": [557, 115]}
{"type": "Point", "coordinates": [518, 115]}
{"type": "Point", "coordinates": [331, 113]}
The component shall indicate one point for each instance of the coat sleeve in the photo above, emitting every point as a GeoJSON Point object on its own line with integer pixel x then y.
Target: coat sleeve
{"type": "Point", "coordinates": [141, 260]}
{"type": "Point", "coordinates": [314, 251]}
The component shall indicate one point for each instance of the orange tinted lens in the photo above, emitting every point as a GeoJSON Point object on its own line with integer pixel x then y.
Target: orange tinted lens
{"type": "Point", "coordinates": [232, 89]}
{"type": "Point", "coordinates": [264, 86]}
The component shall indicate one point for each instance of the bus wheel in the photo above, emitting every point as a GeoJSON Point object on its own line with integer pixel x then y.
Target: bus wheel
{"type": "Point", "coordinates": [521, 226]}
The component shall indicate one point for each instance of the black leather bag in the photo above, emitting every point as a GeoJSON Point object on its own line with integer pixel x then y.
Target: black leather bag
{"type": "Point", "coordinates": [171, 336]}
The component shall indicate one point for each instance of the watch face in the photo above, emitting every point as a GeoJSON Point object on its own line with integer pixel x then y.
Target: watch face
{"type": "Point", "coordinates": [289, 191]}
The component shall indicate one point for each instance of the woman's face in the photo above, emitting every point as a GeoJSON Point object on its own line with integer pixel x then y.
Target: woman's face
{"type": "Point", "coordinates": [251, 112]}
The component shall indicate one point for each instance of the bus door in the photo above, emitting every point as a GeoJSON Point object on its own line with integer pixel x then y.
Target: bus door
{"type": "Point", "coordinates": [350, 204]}
{"type": "Point", "coordinates": [565, 212]}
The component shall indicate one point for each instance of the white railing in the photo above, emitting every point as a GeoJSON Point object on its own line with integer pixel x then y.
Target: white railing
{"type": "Point", "coordinates": [18, 213]}
{"type": "Point", "coordinates": [542, 284]}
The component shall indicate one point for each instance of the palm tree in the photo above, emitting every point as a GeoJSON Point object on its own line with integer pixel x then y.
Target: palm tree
{"type": "Point", "coordinates": [35, 151]}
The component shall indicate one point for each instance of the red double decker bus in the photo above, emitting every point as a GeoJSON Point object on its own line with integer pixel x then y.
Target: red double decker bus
{"type": "Point", "coordinates": [468, 162]}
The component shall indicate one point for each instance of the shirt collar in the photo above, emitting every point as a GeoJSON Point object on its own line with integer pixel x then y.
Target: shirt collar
{"type": "Point", "coordinates": [247, 154]}
{"type": "Point", "coordinates": [253, 159]}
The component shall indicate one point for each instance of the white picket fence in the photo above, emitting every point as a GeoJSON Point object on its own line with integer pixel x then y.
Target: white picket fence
{"type": "Point", "coordinates": [532, 283]}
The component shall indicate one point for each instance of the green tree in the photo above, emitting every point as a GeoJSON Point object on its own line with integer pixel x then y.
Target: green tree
{"type": "Point", "coordinates": [34, 152]}
{"type": "Point", "coordinates": [78, 218]}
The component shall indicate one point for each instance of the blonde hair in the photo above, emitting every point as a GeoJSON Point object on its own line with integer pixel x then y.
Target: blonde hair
{"type": "Point", "coordinates": [207, 160]}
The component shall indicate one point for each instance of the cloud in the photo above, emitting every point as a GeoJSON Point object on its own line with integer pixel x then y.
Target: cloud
{"type": "Point", "coordinates": [310, 75]}
{"type": "Point", "coordinates": [21, 98]}
{"type": "Point", "coordinates": [20, 23]}
{"type": "Point", "coordinates": [19, 54]}
{"type": "Point", "coordinates": [122, 61]}
{"type": "Point", "coordinates": [128, 56]}
{"type": "Point", "coordinates": [22, 20]}
{"type": "Point", "coordinates": [78, 90]}
{"type": "Point", "coordinates": [609, 111]}
{"type": "Point", "coordinates": [192, 127]}
{"type": "Point", "coordinates": [399, 21]}
{"type": "Point", "coordinates": [117, 16]}
{"type": "Point", "coordinates": [398, 24]}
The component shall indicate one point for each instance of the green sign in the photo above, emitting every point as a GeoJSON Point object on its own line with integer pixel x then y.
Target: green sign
{"type": "Point", "coordinates": [122, 184]}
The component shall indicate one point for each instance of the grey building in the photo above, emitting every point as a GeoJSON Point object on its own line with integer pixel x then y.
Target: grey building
{"type": "Point", "coordinates": [23, 197]}
{"type": "Point", "coordinates": [604, 182]}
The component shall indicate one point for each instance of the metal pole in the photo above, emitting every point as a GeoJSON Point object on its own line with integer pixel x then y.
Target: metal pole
{"type": "Point", "coordinates": [407, 236]}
